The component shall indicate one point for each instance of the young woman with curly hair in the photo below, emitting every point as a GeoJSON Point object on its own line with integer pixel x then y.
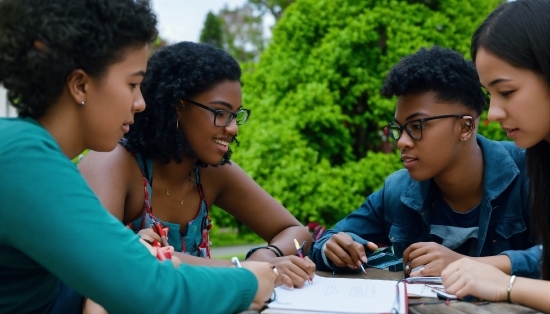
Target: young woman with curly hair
{"type": "Point", "coordinates": [174, 164]}
{"type": "Point", "coordinates": [73, 70]}
{"type": "Point", "coordinates": [511, 50]}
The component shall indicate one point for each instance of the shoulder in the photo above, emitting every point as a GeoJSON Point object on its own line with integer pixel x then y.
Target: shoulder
{"type": "Point", "coordinates": [499, 150]}
{"type": "Point", "coordinates": [17, 132]}
{"type": "Point", "coordinates": [114, 163]}
{"type": "Point", "coordinates": [398, 180]}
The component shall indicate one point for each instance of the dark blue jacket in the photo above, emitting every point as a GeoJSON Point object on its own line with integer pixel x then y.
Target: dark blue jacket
{"type": "Point", "coordinates": [399, 213]}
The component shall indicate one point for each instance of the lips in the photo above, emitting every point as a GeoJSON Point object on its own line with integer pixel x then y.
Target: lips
{"type": "Point", "coordinates": [406, 158]}
{"type": "Point", "coordinates": [221, 142]}
{"type": "Point", "coordinates": [510, 132]}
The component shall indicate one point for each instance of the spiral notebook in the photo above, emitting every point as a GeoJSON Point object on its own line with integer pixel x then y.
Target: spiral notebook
{"type": "Point", "coordinates": [341, 295]}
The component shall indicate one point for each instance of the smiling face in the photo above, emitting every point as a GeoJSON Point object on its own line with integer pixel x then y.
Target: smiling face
{"type": "Point", "coordinates": [441, 138]}
{"type": "Point", "coordinates": [208, 141]}
{"type": "Point", "coordinates": [112, 100]}
{"type": "Point", "coordinates": [520, 99]}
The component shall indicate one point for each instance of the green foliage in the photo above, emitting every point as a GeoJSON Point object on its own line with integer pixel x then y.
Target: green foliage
{"type": "Point", "coordinates": [274, 7]}
{"type": "Point", "coordinates": [314, 136]}
{"type": "Point", "coordinates": [212, 31]}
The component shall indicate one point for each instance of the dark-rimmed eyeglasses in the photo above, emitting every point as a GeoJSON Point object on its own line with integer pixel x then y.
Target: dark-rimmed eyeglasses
{"type": "Point", "coordinates": [414, 127]}
{"type": "Point", "coordinates": [224, 117]}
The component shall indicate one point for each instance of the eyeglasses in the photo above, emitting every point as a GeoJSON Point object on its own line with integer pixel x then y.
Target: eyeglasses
{"type": "Point", "coordinates": [224, 117]}
{"type": "Point", "coordinates": [414, 128]}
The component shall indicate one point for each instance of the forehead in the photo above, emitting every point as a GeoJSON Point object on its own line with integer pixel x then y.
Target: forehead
{"type": "Point", "coordinates": [422, 105]}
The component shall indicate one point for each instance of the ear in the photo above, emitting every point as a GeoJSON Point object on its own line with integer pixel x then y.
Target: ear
{"type": "Point", "coordinates": [77, 82]}
{"type": "Point", "coordinates": [467, 128]}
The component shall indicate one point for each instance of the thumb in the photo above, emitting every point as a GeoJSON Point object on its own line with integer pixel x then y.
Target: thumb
{"type": "Point", "coordinates": [371, 246]}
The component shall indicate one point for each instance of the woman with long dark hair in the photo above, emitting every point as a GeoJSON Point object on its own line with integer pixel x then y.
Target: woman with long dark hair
{"type": "Point", "coordinates": [511, 50]}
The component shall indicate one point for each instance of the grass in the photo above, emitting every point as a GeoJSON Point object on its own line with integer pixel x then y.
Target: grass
{"type": "Point", "coordinates": [229, 237]}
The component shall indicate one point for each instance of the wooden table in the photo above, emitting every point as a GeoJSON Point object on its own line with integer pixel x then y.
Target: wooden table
{"type": "Point", "coordinates": [415, 304]}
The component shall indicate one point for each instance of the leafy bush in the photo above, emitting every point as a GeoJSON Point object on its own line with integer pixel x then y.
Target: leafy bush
{"type": "Point", "coordinates": [313, 139]}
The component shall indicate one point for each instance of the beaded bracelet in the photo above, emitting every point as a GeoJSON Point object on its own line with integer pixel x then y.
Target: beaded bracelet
{"type": "Point", "coordinates": [512, 279]}
{"type": "Point", "coordinates": [261, 247]}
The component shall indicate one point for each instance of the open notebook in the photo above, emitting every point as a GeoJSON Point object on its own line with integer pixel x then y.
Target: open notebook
{"type": "Point", "coordinates": [341, 295]}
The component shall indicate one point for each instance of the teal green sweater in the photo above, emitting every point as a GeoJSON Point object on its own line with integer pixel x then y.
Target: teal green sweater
{"type": "Point", "coordinates": [53, 227]}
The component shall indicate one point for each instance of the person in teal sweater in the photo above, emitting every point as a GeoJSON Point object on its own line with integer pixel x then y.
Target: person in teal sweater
{"type": "Point", "coordinates": [73, 70]}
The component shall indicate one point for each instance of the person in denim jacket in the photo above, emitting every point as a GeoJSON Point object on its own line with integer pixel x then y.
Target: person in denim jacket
{"type": "Point", "coordinates": [460, 194]}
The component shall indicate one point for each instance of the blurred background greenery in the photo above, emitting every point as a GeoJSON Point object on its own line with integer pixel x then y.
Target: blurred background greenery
{"type": "Point", "coordinates": [315, 139]}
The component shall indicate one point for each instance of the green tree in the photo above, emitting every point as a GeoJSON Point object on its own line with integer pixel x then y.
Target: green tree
{"type": "Point", "coordinates": [314, 136]}
{"type": "Point", "coordinates": [274, 7]}
{"type": "Point", "coordinates": [243, 35]}
{"type": "Point", "coordinates": [212, 31]}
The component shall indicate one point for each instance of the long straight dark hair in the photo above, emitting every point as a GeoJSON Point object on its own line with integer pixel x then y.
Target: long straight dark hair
{"type": "Point", "coordinates": [519, 33]}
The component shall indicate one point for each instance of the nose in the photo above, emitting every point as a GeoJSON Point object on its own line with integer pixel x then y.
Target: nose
{"type": "Point", "coordinates": [404, 140]}
{"type": "Point", "coordinates": [495, 113]}
{"type": "Point", "coordinates": [139, 103]}
{"type": "Point", "coordinates": [232, 128]}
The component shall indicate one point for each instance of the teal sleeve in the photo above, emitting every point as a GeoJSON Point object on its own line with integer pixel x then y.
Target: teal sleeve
{"type": "Point", "coordinates": [50, 217]}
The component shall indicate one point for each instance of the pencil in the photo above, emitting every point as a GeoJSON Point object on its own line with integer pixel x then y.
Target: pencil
{"type": "Point", "coordinates": [299, 252]}
{"type": "Point", "coordinates": [363, 269]}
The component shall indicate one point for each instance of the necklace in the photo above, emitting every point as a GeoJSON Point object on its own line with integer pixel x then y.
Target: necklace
{"type": "Point", "coordinates": [168, 192]}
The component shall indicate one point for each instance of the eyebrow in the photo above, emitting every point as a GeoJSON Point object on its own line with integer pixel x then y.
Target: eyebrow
{"type": "Point", "coordinates": [499, 80]}
{"type": "Point", "coordinates": [414, 115]}
{"type": "Point", "coordinates": [223, 103]}
{"type": "Point", "coordinates": [139, 73]}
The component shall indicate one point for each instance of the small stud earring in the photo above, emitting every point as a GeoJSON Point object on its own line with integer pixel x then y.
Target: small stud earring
{"type": "Point", "coordinates": [82, 103]}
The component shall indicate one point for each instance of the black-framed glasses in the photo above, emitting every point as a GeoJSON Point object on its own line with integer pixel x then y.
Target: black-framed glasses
{"type": "Point", "coordinates": [224, 117]}
{"type": "Point", "coordinates": [414, 128]}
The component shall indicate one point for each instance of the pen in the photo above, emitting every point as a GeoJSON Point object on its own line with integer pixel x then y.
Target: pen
{"type": "Point", "coordinates": [157, 228]}
{"type": "Point", "coordinates": [235, 261]}
{"type": "Point", "coordinates": [363, 269]}
{"type": "Point", "coordinates": [299, 252]}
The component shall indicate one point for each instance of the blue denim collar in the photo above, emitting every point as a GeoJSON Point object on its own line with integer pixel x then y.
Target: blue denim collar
{"type": "Point", "coordinates": [499, 170]}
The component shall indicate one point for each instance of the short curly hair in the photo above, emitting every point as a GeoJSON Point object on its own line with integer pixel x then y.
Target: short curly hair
{"type": "Point", "coordinates": [176, 72]}
{"type": "Point", "coordinates": [43, 41]}
{"type": "Point", "coordinates": [441, 70]}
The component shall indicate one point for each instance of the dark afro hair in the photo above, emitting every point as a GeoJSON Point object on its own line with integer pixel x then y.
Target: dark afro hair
{"type": "Point", "coordinates": [440, 70]}
{"type": "Point", "coordinates": [176, 72]}
{"type": "Point", "coordinates": [43, 41]}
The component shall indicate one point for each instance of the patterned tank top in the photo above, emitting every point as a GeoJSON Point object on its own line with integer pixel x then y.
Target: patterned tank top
{"type": "Point", "coordinates": [194, 239]}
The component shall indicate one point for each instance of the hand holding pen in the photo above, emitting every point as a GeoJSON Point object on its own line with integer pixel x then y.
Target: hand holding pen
{"type": "Point", "coordinates": [343, 251]}
{"type": "Point", "coordinates": [266, 274]}
{"type": "Point", "coordinates": [300, 252]}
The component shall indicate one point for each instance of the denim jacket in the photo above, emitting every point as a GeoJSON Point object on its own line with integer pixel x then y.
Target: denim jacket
{"type": "Point", "coordinates": [399, 213]}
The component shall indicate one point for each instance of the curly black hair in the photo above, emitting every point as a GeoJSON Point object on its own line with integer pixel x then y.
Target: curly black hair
{"type": "Point", "coordinates": [441, 70]}
{"type": "Point", "coordinates": [176, 72]}
{"type": "Point", "coordinates": [43, 41]}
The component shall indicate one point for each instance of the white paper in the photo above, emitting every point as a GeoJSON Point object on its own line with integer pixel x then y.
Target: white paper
{"type": "Point", "coordinates": [341, 295]}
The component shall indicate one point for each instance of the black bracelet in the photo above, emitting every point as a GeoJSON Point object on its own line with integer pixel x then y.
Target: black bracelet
{"type": "Point", "coordinates": [261, 247]}
{"type": "Point", "coordinates": [281, 254]}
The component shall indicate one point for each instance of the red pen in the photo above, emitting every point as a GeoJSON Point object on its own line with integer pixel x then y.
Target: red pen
{"type": "Point", "coordinates": [299, 252]}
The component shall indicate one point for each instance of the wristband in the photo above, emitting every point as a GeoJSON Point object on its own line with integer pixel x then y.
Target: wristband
{"type": "Point", "coordinates": [281, 254]}
{"type": "Point", "coordinates": [512, 279]}
{"type": "Point", "coordinates": [261, 247]}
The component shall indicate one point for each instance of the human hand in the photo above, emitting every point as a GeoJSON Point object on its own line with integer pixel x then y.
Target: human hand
{"type": "Point", "coordinates": [293, 271]}
{"type": "Point", "coordinates": [431, 256]}
{"type": "Point", "coordinates": [162, 253]}
{"type": "Point", "coordinates": [343, 251]}
{"type": "Point", "coordinates": [468, 277]}
{"type": "Point", "coordinates": [149, 235]}
{"type": "Point", "coordinates": [266, 275]}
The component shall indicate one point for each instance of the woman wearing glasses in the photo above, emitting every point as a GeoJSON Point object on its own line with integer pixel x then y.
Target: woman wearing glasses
{"type": "Point", "coordinates": [175, 163]}
{"type": "Point", "coordinates": [460, 194]}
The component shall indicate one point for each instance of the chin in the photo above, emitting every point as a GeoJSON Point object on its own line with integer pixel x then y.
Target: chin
{"type": "Point", "coordinates": [418, 176]}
